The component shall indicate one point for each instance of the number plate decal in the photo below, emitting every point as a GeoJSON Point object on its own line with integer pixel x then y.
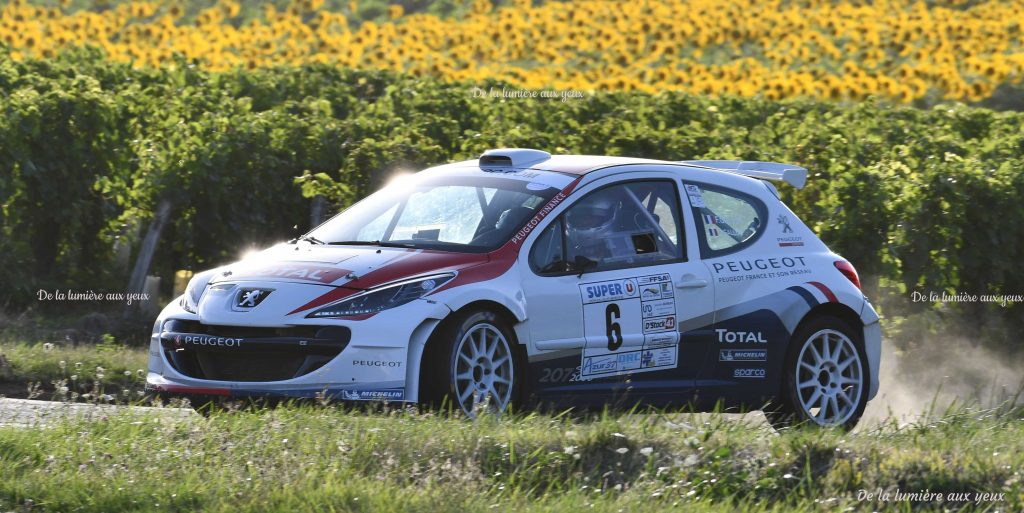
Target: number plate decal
{"type": "Point", "coordinates": [629, 325]}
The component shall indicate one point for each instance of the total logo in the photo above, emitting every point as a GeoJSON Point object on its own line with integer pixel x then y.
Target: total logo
{"type": "Point", "coordinates": [748, 373]}
{"type": "Point", "coordinates": [742, 337]}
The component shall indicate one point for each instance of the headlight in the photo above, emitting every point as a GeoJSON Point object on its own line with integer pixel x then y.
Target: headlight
{"type": "Point", "coordinates": [382, 298]}
{"type": "Point", "coordinates": [194, 290]}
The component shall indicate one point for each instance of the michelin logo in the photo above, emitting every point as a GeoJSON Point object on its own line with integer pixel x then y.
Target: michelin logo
{"type": "Point", "coordinates": [742, 355]}
{"type": "Point", "coordinates": [395, 394]}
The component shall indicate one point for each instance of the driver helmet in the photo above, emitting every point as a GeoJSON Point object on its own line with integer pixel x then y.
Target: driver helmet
{"type": "Point", "coordinates": [593, 218]}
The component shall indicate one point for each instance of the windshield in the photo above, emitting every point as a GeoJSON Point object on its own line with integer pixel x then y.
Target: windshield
{"type": "Point", "coordinates": [467, 214]}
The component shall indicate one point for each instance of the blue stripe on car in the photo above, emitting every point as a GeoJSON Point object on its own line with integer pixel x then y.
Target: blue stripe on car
{"type": "Point", "coordinates": [811, 301]}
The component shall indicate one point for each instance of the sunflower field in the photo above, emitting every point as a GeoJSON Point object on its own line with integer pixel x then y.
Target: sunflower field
{"type": "Point", "coordinates": [901, 50]}
{"type": "Point", "coordinates": [245, 116]}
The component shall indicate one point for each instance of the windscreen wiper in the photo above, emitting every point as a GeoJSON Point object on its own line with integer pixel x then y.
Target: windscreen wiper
{"type": "Point", "coordinates": [383, 244]}
{"type": "Point", "coordinates": [308, 238]}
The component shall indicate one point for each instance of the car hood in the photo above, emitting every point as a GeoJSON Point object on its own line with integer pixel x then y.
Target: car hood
{"type": "Point", "coordinates": [334, 266]}
{"type": "Point", "coordinates": [289, 281]}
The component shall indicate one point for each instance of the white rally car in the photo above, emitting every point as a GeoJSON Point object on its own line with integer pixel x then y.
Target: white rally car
{"type": "Point", "coordinates": [530, 279]}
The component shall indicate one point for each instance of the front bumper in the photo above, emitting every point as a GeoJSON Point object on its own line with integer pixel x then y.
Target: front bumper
{"type": "Point", "coordinates": [373, 359]}
{"type": "Point", "coordinates": [248, 354]}
{"type": "Point", "coordinates": [158, 384]}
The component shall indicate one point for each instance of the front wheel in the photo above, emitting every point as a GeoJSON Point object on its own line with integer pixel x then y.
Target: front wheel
{"type": "Point", "coordinates": [825, 380]}
{"type": "Point", "coordinates": [473, 365]}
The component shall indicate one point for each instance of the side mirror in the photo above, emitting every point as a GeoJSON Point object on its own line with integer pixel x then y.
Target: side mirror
{"type": "Point", "coordinates": [582, 264]}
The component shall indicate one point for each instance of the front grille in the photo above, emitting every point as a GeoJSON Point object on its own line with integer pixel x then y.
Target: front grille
{"type": "Point", "coordinates": [242, 353]}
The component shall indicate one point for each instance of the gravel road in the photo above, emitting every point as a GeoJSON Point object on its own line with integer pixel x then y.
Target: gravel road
{"type": "Point", "coordinates": [29, 413]}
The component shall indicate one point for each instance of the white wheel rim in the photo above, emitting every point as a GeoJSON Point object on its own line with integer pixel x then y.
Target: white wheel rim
{"type": "Point", "coordinates": [829, 378]}
{"type": "Point", "coordinates": [483, 370]}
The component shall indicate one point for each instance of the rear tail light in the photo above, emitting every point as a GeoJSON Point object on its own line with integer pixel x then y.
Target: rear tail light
{"type": "Point", "coordinates": [847, 269]}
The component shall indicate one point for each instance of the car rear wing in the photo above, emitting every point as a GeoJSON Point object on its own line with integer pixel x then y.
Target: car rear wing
{"type": "Point", "coordinates": [775, 171]}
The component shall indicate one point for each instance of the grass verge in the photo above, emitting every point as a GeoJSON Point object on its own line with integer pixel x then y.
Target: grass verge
{"type": "Point", "coordinates": [106, 371]}
{"type": "Point", "coordinates": [338, 459]}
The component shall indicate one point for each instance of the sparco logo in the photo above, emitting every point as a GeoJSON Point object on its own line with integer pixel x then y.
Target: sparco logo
{"type": "Point", "coordinates": [748, 373]}
{"type": "Point", "coordinates": [207, 340]}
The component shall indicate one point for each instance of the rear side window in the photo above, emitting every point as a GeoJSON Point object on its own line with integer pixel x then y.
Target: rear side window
{"type": "Point", "coordinates": [727, 220]}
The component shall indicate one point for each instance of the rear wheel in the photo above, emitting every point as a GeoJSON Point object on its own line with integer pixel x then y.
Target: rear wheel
{"type": "Point", "coordinates": [473, 365]}
{"type": "Point", "coordinates": [825, 377]}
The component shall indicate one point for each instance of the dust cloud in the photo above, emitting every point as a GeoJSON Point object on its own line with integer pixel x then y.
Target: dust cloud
{"type": "Point", "coordinates": [948, 370]}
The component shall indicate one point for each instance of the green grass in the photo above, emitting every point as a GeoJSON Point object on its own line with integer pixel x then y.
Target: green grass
{"type": "Point", "coordinates": [333, 459]}
{"type": "Point", "coordinates": [40, 370]}
{"type": "Point", "coordinates": [302, 458]}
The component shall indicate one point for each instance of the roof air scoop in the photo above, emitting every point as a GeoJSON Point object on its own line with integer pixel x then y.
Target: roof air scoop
{"type": "Point", "coordinates": [512, 158]}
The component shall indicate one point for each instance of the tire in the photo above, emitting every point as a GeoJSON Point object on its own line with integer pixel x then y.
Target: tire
{"type": "Point", "coordinates": [825, 377]}
{"type": "Point", "coordinates": [473, 362]}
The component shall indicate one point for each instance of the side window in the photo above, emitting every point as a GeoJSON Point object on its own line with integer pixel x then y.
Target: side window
{"type": "Point", "coordinates": [728, 219]}
{"type": "Point", "coordinates": [548, 253]}
{"type": "Point", "coordinates": [623, 225]}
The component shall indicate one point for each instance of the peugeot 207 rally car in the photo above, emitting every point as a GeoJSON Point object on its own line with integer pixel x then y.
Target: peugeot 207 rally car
{"type": "Point", "coordinates": [531, 279]}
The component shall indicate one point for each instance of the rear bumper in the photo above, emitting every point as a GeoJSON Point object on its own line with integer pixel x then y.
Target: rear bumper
{"type": "Point", "coordinates": [872, 344]}
{"type": "Point", "coordinates": [873, 348]}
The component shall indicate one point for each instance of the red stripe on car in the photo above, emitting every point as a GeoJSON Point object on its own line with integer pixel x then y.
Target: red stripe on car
{"type": "Point", "coordinates": [423, 263]}
{"type": "Point", "coordinates": [192, 390]}
{"type": "Point", "coordinates": [824, 290]}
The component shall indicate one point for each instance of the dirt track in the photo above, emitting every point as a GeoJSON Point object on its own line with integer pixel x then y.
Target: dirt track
{"type": "Point", "coordinates": [34, 413]}
{"type": "Point", "coordinates": [29, 413]}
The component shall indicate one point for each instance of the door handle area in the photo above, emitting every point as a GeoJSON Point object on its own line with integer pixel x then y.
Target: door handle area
{"type": "Point", "coordinates": [689, 281]}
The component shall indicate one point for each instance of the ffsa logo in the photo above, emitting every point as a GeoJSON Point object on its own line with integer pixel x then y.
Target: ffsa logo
{"type": "Point", "coordinates": [247, 299]}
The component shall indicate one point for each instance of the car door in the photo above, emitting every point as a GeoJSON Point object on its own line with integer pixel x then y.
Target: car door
{"type": "Point", "coordinates": [749, 335]}
{"type": "Point", "coordinates": [609, 286]}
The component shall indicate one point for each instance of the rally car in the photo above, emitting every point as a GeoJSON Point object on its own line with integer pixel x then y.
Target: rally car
{"type": "Point", "coordinates": [527, 279]}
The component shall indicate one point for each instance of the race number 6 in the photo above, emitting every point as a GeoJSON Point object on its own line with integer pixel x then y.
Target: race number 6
{"type": "Point", "coordinates": [614, 331]}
